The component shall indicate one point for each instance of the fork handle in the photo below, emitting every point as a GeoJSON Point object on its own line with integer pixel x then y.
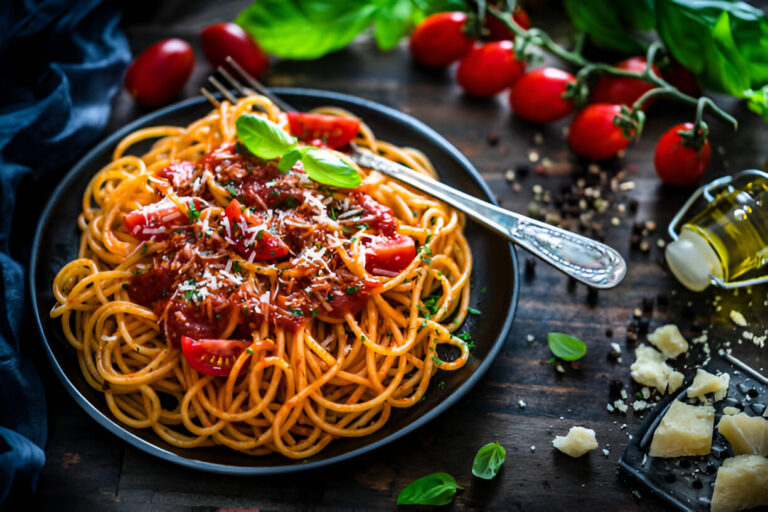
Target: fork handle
{"type": "Point", "coordinates": [582, 258]}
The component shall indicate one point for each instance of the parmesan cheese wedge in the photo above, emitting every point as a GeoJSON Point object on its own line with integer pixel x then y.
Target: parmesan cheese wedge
{"type": "Point", "coordinates": [668, 339]}
{"type": "Point", "coordinates": [741, 484]}
{"type": "Point", "coordinates": [748, 435]}
{"type": "Point", "coordinates": [705, 383]}
{"type": "Point", "coordinates": [684, 430]}
{"type": "Point", "coordinates": [579, 441]}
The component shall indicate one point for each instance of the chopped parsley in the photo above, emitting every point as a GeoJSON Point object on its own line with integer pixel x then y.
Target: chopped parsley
{"type": "Point", "coordinates": [351, 290]}
{"type": "Point", "coordinates": [260, 234]}
{"type": "Point", "coordinates": [297, 312]}
{"type": "Point", "coordinates": [473, 311]}
{"type": "Point", "coordinates": [431, 302]}
{"type": "Point", "coordinates": [363, 338]}
{"type": "Point", "coordinates": [126, 286]}
{"type": "Point", "coordinates": [332, 212]}
{"type": "Point", "coordinates": [144, 249]}
{"type": "Point", "coordinates": [236, 267]}
{"type": "Point", "coordinates": [362, 226]}
{"type": "Point", "coordinates": [249, 350]}
{"type": "Point", "coordinates": [436, 360]}
{"type": "Point", "coordinates": [441, 384]}
{"type": "Point", "coordinates": [193, 213]}
{"type": "Point", "coordinates": [314, 311]}
{"type": "Point", "coordinates": [232, 192]}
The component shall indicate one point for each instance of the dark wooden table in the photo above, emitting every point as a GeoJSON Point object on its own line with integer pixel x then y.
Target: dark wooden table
{"type": "Point", "coordinates": [88, 468]}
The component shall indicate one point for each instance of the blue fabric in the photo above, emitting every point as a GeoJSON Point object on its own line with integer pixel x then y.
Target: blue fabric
{"type": "Point", "coordinates": [62, 63]}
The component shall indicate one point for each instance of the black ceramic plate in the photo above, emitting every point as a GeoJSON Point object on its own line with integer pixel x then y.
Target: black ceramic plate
{"type": "Point", "coordinates": [494, 287]}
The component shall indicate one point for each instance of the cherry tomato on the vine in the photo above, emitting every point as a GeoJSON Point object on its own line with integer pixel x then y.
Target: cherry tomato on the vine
{"type": "Point", "coordinates": [228, 39]}
{"type": "Point", "coordinates": [677, 162]}
{"type": "Point", "coordinates": [623, 90]}
{"type": "Point", "coordinates": [439, 39]}
{"type": "Point", "coordinates": [497, 31]}
{"type": "Point", "coordinates": [159, 73]}
{"type": "Point", "coordinates": [594, 135]}
{"type": "Point", "coordinates": [538, 95]}
{"type": "Point", "coordinates": [489, 68]}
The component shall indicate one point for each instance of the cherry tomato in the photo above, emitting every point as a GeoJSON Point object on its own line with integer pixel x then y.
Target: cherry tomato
{"type": "Point", "coordinates": [383, 219]}
{"type": "Point", "coordinates": [248, 237]}
{"type": "Point", "coordinates": [228, 39]}
{"type": "Point", "coordinates": [538, 95]}
{"type": "Point", "coordinates": [489, 68]}
{"type": "Point", "coordinates": [682, 78]}
{"type": "Point", "coordinates": [216, 357]}
{"type": "Point", "coordinates": [439, 39]}
{"type": "Point", "coordinates": [331, 131]}
{"type": "Point", "coordinates": [497, 31]}
{"type": "Point", "coordinates": [388, 256]}
{"type": "Point", "coordinates": [677, 163]}
{"type": "Point", "coordinates": [159, 73]}
{"type": "Point", "coordinates": [622, 90]}
{"type": "Point", "coordinates": [157, 220]}
{"type": "Point", "coordinates": [592, 133]}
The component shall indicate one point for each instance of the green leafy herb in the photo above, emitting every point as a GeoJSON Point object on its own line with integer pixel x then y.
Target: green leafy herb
{"type": "Point", "coordinates": [297, 312]}
{"type": "Point", "coordinates": [436, 360]}
{"type": "Point", "coordinates": [351, 290]}
{"type": "Point", "coordinates": [249, 350]}
{"type": "Point", "coordinates": [324, 167]}
{"type": "Point", "coordinates": [473, 311]}
{"type": "Point", "coordinates": [488, 461]}
{"type": "Point", "coordinates": [232, 191]}
{"type": "Point", "coordinates": [566, 347]}
{"type": "Point", "coordinates": [262, 137]}
{"type": "Point", "coordinates": [611, 24]}
{"type": "Point", "coordinates": [144, 249]}
{"type": "Point", "coordinates": [288, 160]}
{"type": "Point", "coordinates": [193, 213]}
{"type": "Point", "coordinates": [434, 489]}
{"type": "Point", "coordinates": [551, 360]}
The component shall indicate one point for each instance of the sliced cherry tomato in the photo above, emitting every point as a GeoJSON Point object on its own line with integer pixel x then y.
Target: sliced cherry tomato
{"type": "Point", "coordinates": [682, 78]}
{"type": "Point", "coordinates": [350, 300]}
{"type": "Point", "coordinates": [178, 174]}
{"type": "Point", "coordinates": [221, 40]}
{"type": "Point", "coordinates": [439, 39]}
{"type": "Point", "coordinates": [388, 256]}
{"type": "Point", "coordinates": [216, 357]}
{"type": "Point", "coordinates": [383, 219]}
{"type": "Point", "coordinates": [489, 68]}
{"type": "Point", "coordinates": [538, 95]}
{"type": "Point", "coordinates": [497, 31]}
{"type": "Point", "coordinates": [157, 220]}
{"type": "Point", "coordinates": [676, 161]}
{"type": "Point", "coordinates": [622, 90]}
{"type": "Point", "coordinates": [331, 131]}
{"type": "Point", "coordinates": [159, 73]}
{"type": "Point", "coordinates": [248, 238]}
{"type": "Point", "coordinates": [594, 135]}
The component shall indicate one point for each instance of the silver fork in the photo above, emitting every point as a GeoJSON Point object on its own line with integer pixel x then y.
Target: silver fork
{"type": "Point", "coordinates": [582, 258]}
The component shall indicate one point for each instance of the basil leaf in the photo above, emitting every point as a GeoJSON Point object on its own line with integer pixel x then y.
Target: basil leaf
{"type": "Point", "coordinates": [609, 25]}
{"type": "Point", "coordinates": [393, 21]}
{"type": "Point", "coordinates": [489, 460]}
{"type": "Point", "coordinates": [757, 101]}
{"type": "Point", "coordinates": [434, 489]}
{"type": "Point", "coordinates": [262, 137]}
{"type": "Point", "coordinates": [324, 167]}
{"type": "Point", "coordinates": [566, 347]}
{"type": "Point", "coordinates": [288, 160]}
{"type": "Point", "coordinates": [306, 29]}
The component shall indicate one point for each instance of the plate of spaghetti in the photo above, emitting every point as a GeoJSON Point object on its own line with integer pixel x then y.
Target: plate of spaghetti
{"type": "Point", "coordinates": [224, 288]}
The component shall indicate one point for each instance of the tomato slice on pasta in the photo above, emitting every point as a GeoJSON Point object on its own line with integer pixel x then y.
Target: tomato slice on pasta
{"type": "Point", "coordinates": [212, 357]}
{"type": "Point", "coordinates": [250, 238]}
{"type": "Point", "coordinates": [323, 130]}
{"type": "Point", "coordinates": [388, 256]}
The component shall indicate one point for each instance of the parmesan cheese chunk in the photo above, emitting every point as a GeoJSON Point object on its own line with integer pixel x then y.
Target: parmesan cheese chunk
{"type": "Point", "coordinates": [649, 369]}
{"type": "Point", "coordinates": [668, 339]}
{"type": "Point", "coordinates": [684, 430]}
{"type": "Point", "coordinates": [705, 383]}
{"type": "Point", "coordinates": [579, 441]}
{"type": "Point", "coordinates": [741, 484]}
{"type": "Point", "coordinates": [748, 435]}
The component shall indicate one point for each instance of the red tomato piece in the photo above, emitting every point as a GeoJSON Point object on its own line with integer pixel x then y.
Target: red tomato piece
{"type": "Point", "coordinates": [350, 300]}
{"type": "Point", "coordinates": [622, 90]}
{"type": "Point", "coordinates": [388, 256]}
{"type": "Point", "coordinates": [250, 240]}
{"type": "Point", "coordinates": [497, 31]}
{"type": "Point", "coordinates": [489, 68]}
{"type": "Point", "coordinates": [331, 131]}
{"type": "Point", "coordinates": [221, 40]}
{"type": "Point", "coordinates": [439, 39]}
{"type": "Point", "coordinates": [384, 220]}
{"type": "Point", "coordinates": [538, 95]}
{"type": "Point", "coordinates": [178, 174]}
{"type": "Point", "coordinates": [157, 220]}
{"type": "Point", "coordinates": [159, 73]}
{"type": "Point", "coordinates": [594, 135]}
{"type": "Point", "coordinates": [677, 163]}
{"type": "Point", "coordinates": [216, 357]}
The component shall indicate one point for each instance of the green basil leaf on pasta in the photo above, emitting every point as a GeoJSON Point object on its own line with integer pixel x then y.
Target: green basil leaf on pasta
{"type": "Point", "coordinates": [488, 461]}
{"type": "Point", "coordinates": [288, 160]}
{"type": "Point", "coordinates": [566, 347]}
{"type": "Point", "coordinates": [262, 137]}
{"type": "Point", "coordinates": [434, 489]}
{"type": "Point", "coordinates": [325, 167]}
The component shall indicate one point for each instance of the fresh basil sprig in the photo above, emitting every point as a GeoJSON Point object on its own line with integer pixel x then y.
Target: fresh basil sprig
{"type": "Point", "coordinates": [267, 140]}
{"type": "Point", "coordinates": [434, 489]}
{"type": "Point", "coordinates": [566, 347]}
{"type": "Point", "coordinates": [489, 460]}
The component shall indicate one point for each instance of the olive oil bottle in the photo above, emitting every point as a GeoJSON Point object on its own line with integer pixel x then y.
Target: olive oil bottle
{"type": "Point", "coordinates": [728, 239]}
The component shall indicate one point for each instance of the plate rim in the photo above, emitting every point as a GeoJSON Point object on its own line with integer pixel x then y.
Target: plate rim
{"type": "Point", "coordinates": [147, 447]}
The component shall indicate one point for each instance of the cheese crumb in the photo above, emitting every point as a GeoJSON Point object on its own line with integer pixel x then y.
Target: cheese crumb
{"type": "Point", "coordinates": [522, 404]}
{"type": "Point", "coordinates": [730, 411]}
{"type": "Point", "coordinates": [740, 484]}
{"type": "Point", "coordinates": [579, 441]}
{"type": "Point", "coordinates": [738, 318]}
{"type": "Point", "coordinates": [649, 369]}
{"type": "Point", "coordinates": [747, 435]}
{"type": "Point", "coordinates": [684, 430]}
{"type": "Point", "coordinates": [668, 339]}
{"type": "Point", "coordinates": [705, 383]}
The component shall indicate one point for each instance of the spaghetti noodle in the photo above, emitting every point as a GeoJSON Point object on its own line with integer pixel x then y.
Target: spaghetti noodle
{"type": "Point", "coordinates": [219, 301]}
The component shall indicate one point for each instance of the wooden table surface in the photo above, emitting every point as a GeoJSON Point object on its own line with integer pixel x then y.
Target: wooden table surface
{"type": "Point", "coordinates": [88, 468]}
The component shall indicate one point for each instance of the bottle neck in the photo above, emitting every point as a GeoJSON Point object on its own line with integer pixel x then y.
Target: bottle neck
{"type": "Point", "coordinates": [692, 260]}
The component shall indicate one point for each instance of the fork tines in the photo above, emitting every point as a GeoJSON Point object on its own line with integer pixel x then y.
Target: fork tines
{"type": "Point", "coordinates": [250, 86]}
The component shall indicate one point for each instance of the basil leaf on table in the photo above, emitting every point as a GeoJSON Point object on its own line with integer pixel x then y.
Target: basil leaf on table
{"type": "Point", "coordinates": [566, 347]}
{"type": "Point", "coordinates": [262, 137]}
{"type": "Point", "coordinates": [489, 460]}
{"type": "Point", "coordinates": [324, 167]}
{"type": "Point", "coordinates": [757, 101]}
{"type": "Point", "coordinates": [434, 489]}
{"type": "Point", "coordinates": [393, 22]}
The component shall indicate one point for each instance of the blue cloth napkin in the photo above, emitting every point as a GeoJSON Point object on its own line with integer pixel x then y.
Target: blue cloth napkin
{"type": "Point", "coordinates": [63, 61]}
